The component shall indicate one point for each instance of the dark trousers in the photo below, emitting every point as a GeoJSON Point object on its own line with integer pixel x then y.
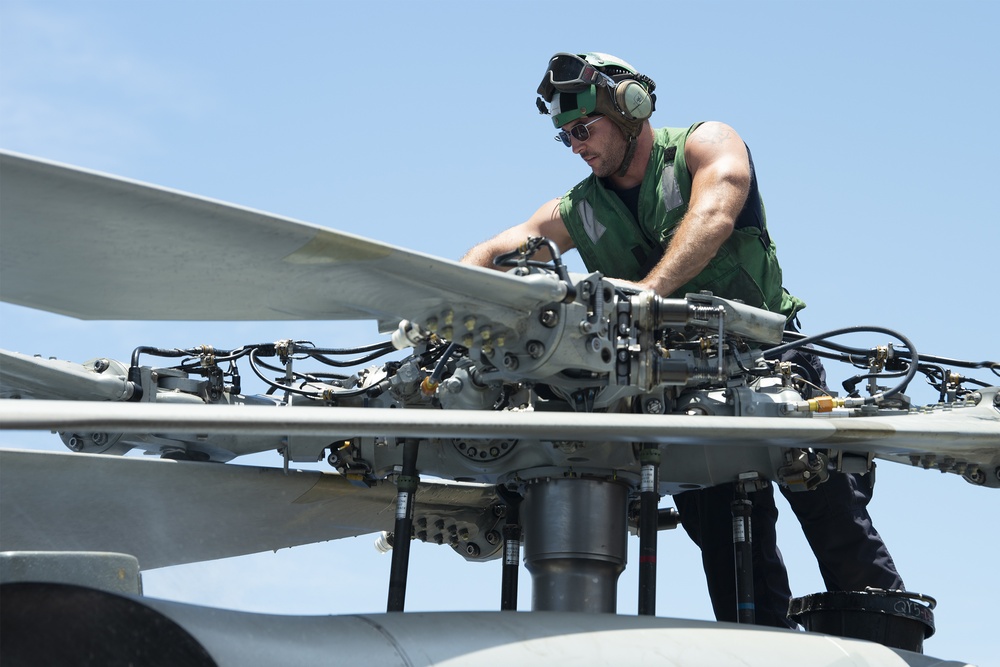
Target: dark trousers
{"type": "Point", "coordinates": [835, 520]}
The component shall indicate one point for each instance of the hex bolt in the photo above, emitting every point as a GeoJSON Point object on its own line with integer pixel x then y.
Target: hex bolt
{"type": "Point", "coordinates": [535, 348]}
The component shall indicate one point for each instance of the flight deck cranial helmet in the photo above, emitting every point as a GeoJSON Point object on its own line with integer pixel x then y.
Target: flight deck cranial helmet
{"type": "Point", "coordinates": [587, 84]}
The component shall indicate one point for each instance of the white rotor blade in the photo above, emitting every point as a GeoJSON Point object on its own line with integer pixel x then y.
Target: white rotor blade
{"type": "Point", "coordinates": [26, 376]}
{"type": "Point", "coordinates": [72, 238]}
{"type": "Point", "coordinates": [970, 434]}
{"type": "Point", "coordinates": [172, 512]}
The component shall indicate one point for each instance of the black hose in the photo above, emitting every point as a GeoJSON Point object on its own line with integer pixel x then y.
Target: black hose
{"type": "Point", "coordinates": [442, 363]}
{"type": "Point", "coordinates": [254, 361]}
{"type": "Point", "coordinates": [528, 249]}
{"type": "Point", "coordinates": [776, 352]}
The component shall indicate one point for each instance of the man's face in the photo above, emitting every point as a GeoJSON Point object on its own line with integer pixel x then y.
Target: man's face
{"type": "Point", "coordinates": [603, 150]}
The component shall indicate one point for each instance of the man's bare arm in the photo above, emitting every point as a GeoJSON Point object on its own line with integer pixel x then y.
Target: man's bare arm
{"type": "Point", "coordinates": [720, 169]}
{"type": "Point", "coordinates": [546, 221]}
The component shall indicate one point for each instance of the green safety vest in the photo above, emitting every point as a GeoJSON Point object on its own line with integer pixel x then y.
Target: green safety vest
{"type": "Point", "coordinates": [610, 240]}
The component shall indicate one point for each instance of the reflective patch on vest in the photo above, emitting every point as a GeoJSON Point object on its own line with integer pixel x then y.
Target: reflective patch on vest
{"type": "Point", "coordinates": [671, 190]}
{"type": "Point", "coordinates": [595, 230]}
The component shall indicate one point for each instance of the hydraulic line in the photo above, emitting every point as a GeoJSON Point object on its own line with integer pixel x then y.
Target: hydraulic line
{"type": "Point", "coordinates": [254, 366]}
{"type": "Point", "coordinates": [649, 500]}
{"type": "Point", "coordinates": [776, 352]}
{"type": "Point", "coordinates": [527, 250]}
{"type": "Point", "coordinates": [406, 488]}
{"type": "Point", "coordinates": [743, 551]}
{"type": "Point", "coordinates": [796, 336]}
{"type": "Point", "coordinates": [376, 351]}
{"type": "Point", "coordinates": [431, 382]}
{"type": "Point", "coordinates": [511, 549]}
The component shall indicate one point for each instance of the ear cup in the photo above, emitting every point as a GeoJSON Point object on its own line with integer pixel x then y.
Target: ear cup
{"type": "Point", "coordinates": [632, 100]}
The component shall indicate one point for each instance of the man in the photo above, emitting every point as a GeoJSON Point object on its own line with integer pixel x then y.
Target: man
{"type": "Point", "coordinates": [674, 211]}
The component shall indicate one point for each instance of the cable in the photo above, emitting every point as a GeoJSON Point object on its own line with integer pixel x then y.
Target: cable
{"type": "Point", "coordinates": [819, 339]}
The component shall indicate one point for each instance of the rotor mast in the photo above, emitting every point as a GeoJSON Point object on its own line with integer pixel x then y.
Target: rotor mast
{"type": "Point", "coordinates": [575, 534]}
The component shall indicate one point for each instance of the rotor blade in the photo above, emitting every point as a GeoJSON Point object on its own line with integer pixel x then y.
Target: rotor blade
{"type": "Point", "coordinates": [72, 238]}
{"type": "Point", "coordinates": [970, 434]}
{"type": "Point", "coordinates": [24, 376]}
{"type": "Point", "coordinates": [172, 512]}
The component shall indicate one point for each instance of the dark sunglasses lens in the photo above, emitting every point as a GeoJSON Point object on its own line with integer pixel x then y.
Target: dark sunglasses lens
{"type": "Point", "coordinates": [580, 132]}
{"type": "Point", "coordinates": [565, 139]}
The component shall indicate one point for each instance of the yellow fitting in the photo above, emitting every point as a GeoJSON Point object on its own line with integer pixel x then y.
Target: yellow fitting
{"type": "Point", "coordinates": [428, 386]}
{"type": "Point", "coordinates": [824, 403]}
{"type": "Point", "coordinates": [470, 323]}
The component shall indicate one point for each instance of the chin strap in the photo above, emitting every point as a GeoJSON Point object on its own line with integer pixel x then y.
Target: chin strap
{"type": "Point", "coordinates": [629, 154]}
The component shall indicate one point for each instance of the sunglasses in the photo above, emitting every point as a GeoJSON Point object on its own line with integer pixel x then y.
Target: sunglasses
{"type": "Point", "coordinates": [579, 132]}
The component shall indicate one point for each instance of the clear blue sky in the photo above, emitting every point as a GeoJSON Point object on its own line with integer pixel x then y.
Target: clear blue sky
{"type": "Point", "coordinates": [872, 126]}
